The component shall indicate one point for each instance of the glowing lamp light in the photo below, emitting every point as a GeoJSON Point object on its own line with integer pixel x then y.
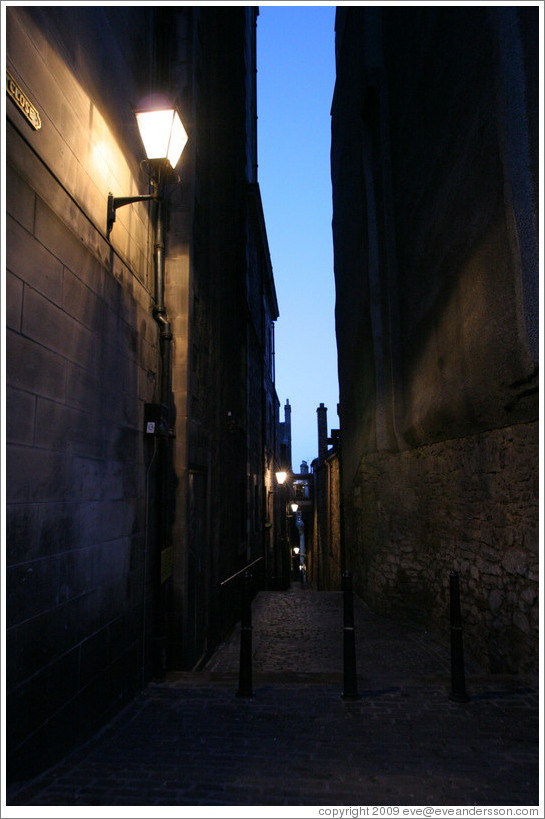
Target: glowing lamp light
{"type": "Point", "coordinates": [281, 477]}
{"type": "Point", "coordinates": [294, 507]}
{"type": "Point", "coordinates": [296, 550]}
{"type": "Point", "coordinates": [162, 133]}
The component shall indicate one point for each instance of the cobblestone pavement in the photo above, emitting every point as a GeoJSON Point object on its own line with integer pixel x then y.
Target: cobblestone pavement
{"type": "Point", "coordinates": [297, 742]}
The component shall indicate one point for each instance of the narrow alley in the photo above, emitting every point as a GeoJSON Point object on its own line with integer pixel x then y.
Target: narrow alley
{"type": "Point", "coordinates": [192, 741]}
{"type": "Point", "coordinates": [158, 313]}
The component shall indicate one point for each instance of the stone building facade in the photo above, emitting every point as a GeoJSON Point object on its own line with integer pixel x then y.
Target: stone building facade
{"type": "Point", "coordinates": [117, 540]}
{"type": "Point", "coordinates": [327, 551]}
{"type": "Point", "coordinates": [435, 195]}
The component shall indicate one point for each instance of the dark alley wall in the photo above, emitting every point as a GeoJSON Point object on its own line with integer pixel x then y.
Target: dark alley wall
{"type": "Point", "coordinates": [326, 558]}
{"type": "Point", "coordinates": [104, 591]}
{"type": "Point", "coordinates": [434, 153]}
{"type": "Point", "coordinates": [81, 361]}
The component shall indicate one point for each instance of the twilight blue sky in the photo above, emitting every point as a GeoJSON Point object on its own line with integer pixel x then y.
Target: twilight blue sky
{"type": "Point", "coordinates": [295, 81]}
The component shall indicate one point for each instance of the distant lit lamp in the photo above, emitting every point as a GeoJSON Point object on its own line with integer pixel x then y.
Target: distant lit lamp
{"type": "Point", "coordinates": [294, 506]}
{"type": "Point", "coordinates": [296, 550]}
{"type": "Point", "coordinates": [280, 480]}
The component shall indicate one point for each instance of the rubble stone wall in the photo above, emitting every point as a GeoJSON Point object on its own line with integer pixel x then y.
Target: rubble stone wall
{"type": "Point", "coordinates": [467, 505]}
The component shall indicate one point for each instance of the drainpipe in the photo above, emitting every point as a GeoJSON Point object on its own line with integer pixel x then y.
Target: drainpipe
{"type": "Point", "coordinates": [341, 496]}
{"type": "Point", "coordinates": [159, 661]}
{"type": "Point", "coordinates": [159, 310]}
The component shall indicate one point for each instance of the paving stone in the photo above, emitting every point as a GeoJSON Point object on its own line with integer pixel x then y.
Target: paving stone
{"type": "Point", "coordinates": [191, 741]}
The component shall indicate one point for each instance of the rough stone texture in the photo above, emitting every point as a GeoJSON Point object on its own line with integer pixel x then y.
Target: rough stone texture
{"type": "Point", "coordinates": [404, 539]}
{"type": "Point", "coordinates": [436, 271]}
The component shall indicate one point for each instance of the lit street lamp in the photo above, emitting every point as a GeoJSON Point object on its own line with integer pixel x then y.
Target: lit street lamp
{"type": "Point", "coordinates": [164, 138]}
{"type": "Point", "coordinates": [281, 557]}
{"type": "Point", "coordinates": [162, 133]}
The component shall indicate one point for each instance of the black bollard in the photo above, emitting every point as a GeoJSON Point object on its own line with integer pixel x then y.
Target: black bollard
{"type": "Point", "coordinates": [457, 674]}
{"type": "Point", "coordinates": [245, 671]}
{"type": "Point", "coordinates": [350, 682]}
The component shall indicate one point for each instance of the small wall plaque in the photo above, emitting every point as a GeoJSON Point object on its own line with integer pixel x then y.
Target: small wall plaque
{"type": "Point", "coordinates": [23, 103]}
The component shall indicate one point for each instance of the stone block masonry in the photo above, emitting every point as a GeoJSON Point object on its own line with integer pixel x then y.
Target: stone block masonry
{"type": "Point", "coordinates": [82, 360]}
{"type": "Point", "coordinates": [468, 505]}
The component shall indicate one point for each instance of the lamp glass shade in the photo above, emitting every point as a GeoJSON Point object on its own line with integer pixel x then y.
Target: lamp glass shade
{"type": "Point", "coordinates": [294, 507]}
{"type": "Point", "coordinates": [281, 477]}
{"type": "Point", "coordinates": [163, 134]}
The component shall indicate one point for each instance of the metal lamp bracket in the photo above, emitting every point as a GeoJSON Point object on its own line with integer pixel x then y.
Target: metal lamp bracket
{"type": "Point", "coordinates": [115, 202]}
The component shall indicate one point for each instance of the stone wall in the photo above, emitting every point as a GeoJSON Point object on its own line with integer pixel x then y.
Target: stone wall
{"type": "Point", "coordinates": [325, 558]}
{"type": "Point", "coordinates": [82, 360]}
{"type": "Point", "coordinates": [81, 353]}
{"type": "Point", "coordinates": [434, 225]}
{"type": "Point", "coordinates": [403, 539]}
{"type": "Point", "coordinates": [117, 541]}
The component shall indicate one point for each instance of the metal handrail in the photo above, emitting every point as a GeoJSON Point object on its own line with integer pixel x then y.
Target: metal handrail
{"type": "Point", "coordinates": [236, 574]}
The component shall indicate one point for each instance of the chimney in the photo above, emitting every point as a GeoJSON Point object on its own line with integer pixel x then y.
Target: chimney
{"type": "Point", "coordinates": [322, 431]}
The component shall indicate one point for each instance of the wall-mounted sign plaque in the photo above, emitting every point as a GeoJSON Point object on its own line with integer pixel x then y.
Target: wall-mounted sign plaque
{"type": "Point", "coordinates": [23, 103]}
